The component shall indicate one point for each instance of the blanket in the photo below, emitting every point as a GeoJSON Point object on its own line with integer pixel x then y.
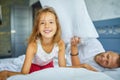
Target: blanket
{"type": "Point", "coordinates": [63, 74]}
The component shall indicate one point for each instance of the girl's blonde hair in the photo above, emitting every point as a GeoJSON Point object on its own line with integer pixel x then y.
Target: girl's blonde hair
{"type": "Point", "coordinates": [35, 32]}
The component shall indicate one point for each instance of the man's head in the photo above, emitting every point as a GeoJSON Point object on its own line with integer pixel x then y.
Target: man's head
{"type": "Point", "coordinates": [108, 59]}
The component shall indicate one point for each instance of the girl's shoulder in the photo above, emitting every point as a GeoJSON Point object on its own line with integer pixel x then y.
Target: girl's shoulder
{"type": "Point", "coordinates": [32, 48]}
{"type": "Point", "coordinates": [32, 45]}
{"type": "Point", "coordinates": [61, 43]}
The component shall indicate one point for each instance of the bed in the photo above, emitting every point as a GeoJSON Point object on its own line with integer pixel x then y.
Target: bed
{"type": "Point", "coordinates": [15, 64]}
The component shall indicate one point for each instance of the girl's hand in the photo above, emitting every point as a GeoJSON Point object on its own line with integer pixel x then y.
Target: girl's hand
{"type": "Point", "coordinates": [3, 75]}
{"type": "Point", "coordinates": [74, 45]}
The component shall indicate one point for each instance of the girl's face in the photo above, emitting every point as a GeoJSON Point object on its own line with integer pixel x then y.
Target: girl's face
{"type": "Point", "coordinates": [47, 25]}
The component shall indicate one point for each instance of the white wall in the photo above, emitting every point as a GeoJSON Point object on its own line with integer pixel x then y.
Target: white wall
{"type": "Point", "coordinates": [103, 9]}
{"type": "Point", "coordinates": [100, 9]}
{"type": "Point", "coordinates": [32, 2]}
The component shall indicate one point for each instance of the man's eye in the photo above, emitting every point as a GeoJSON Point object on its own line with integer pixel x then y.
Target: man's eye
{"type": "Point", "coordinates": [108, 56]}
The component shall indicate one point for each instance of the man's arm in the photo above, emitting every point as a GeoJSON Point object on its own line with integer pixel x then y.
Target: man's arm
{"type": "Point", "coordinates": [74, 55]}
{"type": "Point", "coordinates": [74, 51]}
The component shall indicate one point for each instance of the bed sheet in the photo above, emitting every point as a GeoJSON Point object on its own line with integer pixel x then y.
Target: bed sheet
{"type": "Point", "coordinates": [12, 64]}
{"type": "Point", "coordinates": [15, 64]}
{"type": "Point", "coordinates": [63, 74]}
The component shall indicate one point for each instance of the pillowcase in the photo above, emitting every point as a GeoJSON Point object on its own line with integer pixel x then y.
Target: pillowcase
{"type": "Point", "coordinates": [73, 17]}
{"type": "Point", "coordinates": [114, 73]}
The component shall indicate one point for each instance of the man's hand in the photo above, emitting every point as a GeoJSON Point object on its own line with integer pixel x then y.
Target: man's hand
{"type": "Point", "coordinates": [74, 45]}
{"type": "Point", "coordinates": [87, 66]}
{"type": "Point", "coordinates": [3, 75]}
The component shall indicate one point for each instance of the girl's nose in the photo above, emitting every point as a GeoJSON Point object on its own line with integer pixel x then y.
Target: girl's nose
{"type": "Point", "coordinates": [46, 25]}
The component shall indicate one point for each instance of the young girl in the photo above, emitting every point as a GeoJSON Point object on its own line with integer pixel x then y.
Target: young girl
{"type": "Point", "coordinates": [44, 43]}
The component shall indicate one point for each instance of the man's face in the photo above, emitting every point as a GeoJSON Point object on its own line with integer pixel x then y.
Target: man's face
{"type": "Point", "coordinates": [107, 59]}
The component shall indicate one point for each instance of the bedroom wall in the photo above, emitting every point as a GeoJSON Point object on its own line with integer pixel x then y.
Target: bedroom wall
{"type": "Point", "coordinates": [100, 9]}
{"type": "Point", "coordinates": [31, 2]}
{"type": "Point", "coordinates": [5, 28]}
{"type": "Point", "coordinates": [103, 9]}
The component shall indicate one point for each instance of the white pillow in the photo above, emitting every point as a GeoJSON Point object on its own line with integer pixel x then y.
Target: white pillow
{"type": "Point", "coordinates": [73, 17]}
{"type": "Point", "coordinates": [114, 73]}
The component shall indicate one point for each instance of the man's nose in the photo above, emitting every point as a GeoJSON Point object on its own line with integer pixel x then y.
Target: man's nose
{"type": "Point", "coordinates": [105, 59]}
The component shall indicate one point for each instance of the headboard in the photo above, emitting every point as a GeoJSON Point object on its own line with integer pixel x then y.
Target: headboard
{"type": "Point", "coordinates": [109, 32]}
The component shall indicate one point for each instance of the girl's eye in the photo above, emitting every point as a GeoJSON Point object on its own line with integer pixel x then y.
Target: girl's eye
{"type": "Point", "coordinates": [42, 23]}
{"type": "Point", "coordinates": [51, 22]}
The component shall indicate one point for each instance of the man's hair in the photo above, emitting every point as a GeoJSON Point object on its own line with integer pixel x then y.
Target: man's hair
{"type": "Point", "coordinates": [118, 61]}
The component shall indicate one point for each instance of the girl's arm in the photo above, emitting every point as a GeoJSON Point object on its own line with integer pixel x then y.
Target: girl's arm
{"type": "Point", "coordinates": [28, 60]}
{"type": "Point", "coordinates": [31, 50]}
{"type": "Point", "coordinates": [61, 54]}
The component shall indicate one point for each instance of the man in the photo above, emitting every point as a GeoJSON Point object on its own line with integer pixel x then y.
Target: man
{"type": "Point", "coordinates": [90, 54]}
